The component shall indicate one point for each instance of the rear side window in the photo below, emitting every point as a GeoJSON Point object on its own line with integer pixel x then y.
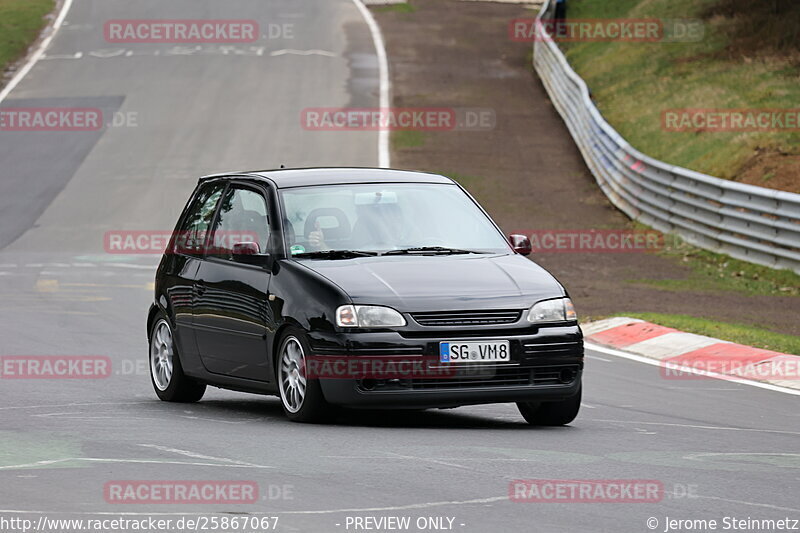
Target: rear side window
{"type": "Point", "coordinates": [191, 236]}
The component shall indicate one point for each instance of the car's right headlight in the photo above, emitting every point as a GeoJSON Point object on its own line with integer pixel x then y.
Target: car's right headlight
{"type": "Point", "coordinates": [368, 316]}
{"type": "Point", "coordinates": [558, 310]}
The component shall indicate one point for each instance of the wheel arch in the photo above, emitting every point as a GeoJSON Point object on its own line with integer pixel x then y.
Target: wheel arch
{"type": "Point", "coordinates": [289, 323]}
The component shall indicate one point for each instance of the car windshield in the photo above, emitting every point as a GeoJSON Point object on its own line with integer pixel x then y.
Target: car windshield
{"type": "Point", "coordinates": [383, 217]}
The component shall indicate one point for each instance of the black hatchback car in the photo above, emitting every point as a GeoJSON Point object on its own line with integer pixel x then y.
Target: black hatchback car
{"type": "Point", "coordinates": [358, 287]}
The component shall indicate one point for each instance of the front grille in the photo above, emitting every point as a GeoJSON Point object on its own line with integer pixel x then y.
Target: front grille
{"type": "Point", "coordinates": [498, 377]}
{"type": "Point", "coordinates": [553, 348]}
{"type": "Point", "coordinates": [502, 377]}
{"type": "Point", "coordinates": [334, 349]}
{"type": "Point", "coordinates": [552, 375]}
{"type": "Point", "coordinates": [467, 318]}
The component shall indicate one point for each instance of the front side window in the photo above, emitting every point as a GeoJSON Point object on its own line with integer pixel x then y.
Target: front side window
{"type": "Point", "coordinates": [242, 218]}
{"type": "Point", "coordinates": [382, 217]}
{"type": "Point", "coordinates": [192, 233]}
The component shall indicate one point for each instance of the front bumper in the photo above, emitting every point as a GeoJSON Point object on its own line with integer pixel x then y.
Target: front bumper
{"type": "Point", "coordinates": [546, 365]}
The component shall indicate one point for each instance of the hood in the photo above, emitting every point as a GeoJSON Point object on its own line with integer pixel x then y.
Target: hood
{"type": "Point", "coordinates": [441, 283]}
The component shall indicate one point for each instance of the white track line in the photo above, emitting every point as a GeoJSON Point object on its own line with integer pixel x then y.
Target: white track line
{"type": "Point", "coordinates": [45, 463]}
{"type": "Point", "coordinates": [195, 455]}
{"type": "Point", "coordinates": [38, 53]}
{"type": "Point", "coordinates": [384, 159]}
{"type": "Point", "coordinates": [656, 362]}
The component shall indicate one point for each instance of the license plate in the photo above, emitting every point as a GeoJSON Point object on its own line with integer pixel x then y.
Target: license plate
{"type": "Point", "coordinates": [474, 351]}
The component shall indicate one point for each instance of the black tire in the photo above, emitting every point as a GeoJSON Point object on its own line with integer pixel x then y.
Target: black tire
{"type": "Point", "coordinates": [558, 413]}
{"type": "Point", "coordinates": [179, 387]}
{"type": "Point", "coordinates": [312, 407]}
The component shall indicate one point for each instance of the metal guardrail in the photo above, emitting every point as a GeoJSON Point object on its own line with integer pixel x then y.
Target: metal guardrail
{"type": "Point", "coordinates": [747, 222]}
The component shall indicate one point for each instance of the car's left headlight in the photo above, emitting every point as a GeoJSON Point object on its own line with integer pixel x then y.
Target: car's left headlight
{"type": "Point", "coordinates": [368, 316]}
{"type": "Point", "coordinates": [558, 310]}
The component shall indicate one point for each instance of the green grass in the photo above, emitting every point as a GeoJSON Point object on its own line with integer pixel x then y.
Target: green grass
{"type": "Point", "coordinates": [633, 82]}
{"type": "Point", "coordinates": [20, 23]}
{"type": "Point", "coordinates": [407, 139]}
{"type": "Point", "coordinates": [738, 333]}
{"type": "Point", "coordinates": [717, 272]}
{"type": "Point", "coordinates": [395, 8]}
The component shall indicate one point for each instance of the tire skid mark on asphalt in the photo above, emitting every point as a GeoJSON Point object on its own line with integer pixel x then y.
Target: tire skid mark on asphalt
{"type": "Point", "coordinates": [701, 389]}
{"type": "Point", "coordinates": [48, 462]}
{"type": "Point", "coordinates": [292, 51]}
{"type": "Point", "coordinates": [753, 504]}
{"type": "Point", "coordinates": [424, 505]}
{"type": "Point", "coordinates": [79, 404]}
{"type": "Point", "coordinates": [196, 455]}
{"type": "Point", "coordinates": [505, 498]}
{"type": "Point", "coordinates": [382, 458]}
{"type": "Point", "coordinates": [48, 310]}
{"type": "Point", "coordinates": [693, 426]}
{"type": "Point", "coordinates": [223, 421]}
{"type": "Point", "coordinates": [499, 455]}
{"type": "Point", "coordinates": [184, 51]}
{"type": "Point", "coordinates": [738, 502]}
{"type": "Point", "coordinates": [104, 417]}
{"type": "Point", "coordinates": [83, 415]}
{"type": "Point", "coordinates": [700, 456]}
{"type": "Point", "coordinates": [431, 460]}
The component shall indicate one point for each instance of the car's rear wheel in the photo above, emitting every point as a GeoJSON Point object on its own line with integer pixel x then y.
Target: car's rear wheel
{"type": "Point", "coordinates": [301, 396]}
{"type": "Point", "coordinates": [166, 372]}
{"type": "Point", "coordinates": [557, 413]}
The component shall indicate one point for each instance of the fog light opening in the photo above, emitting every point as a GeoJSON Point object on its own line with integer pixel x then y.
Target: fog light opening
{"type": "Point", "coordinates": [567, 375]}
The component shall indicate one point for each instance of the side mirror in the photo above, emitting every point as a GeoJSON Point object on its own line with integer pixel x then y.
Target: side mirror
{"type": "Point", "coordinates": [249, 253]}
{"type": "Point", "coordinates": [520, 243]}
{"type": "Point", "coordinates": [246, 248]}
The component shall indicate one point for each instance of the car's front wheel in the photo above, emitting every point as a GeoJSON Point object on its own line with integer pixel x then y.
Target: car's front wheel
{"type": "Point", "coordinates": [557, 413]}
{"type": "Point", "coordinates": [301, 396]}
{"type": "Point", "coordinates": [166, 372]}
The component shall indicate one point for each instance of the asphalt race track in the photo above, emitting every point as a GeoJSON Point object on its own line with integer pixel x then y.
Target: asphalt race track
{"type": "Point", "coordinates": [173, 113]}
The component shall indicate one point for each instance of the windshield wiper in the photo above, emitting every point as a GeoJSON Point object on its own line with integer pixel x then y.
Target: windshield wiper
{"type": "Point", "coordinates": [334, 254]}
{"type": "Point", "coordinates": [422, 250]}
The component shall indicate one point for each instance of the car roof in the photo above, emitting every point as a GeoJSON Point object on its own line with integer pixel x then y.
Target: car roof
{"type": "Point", "coordinates": [303, 177]}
